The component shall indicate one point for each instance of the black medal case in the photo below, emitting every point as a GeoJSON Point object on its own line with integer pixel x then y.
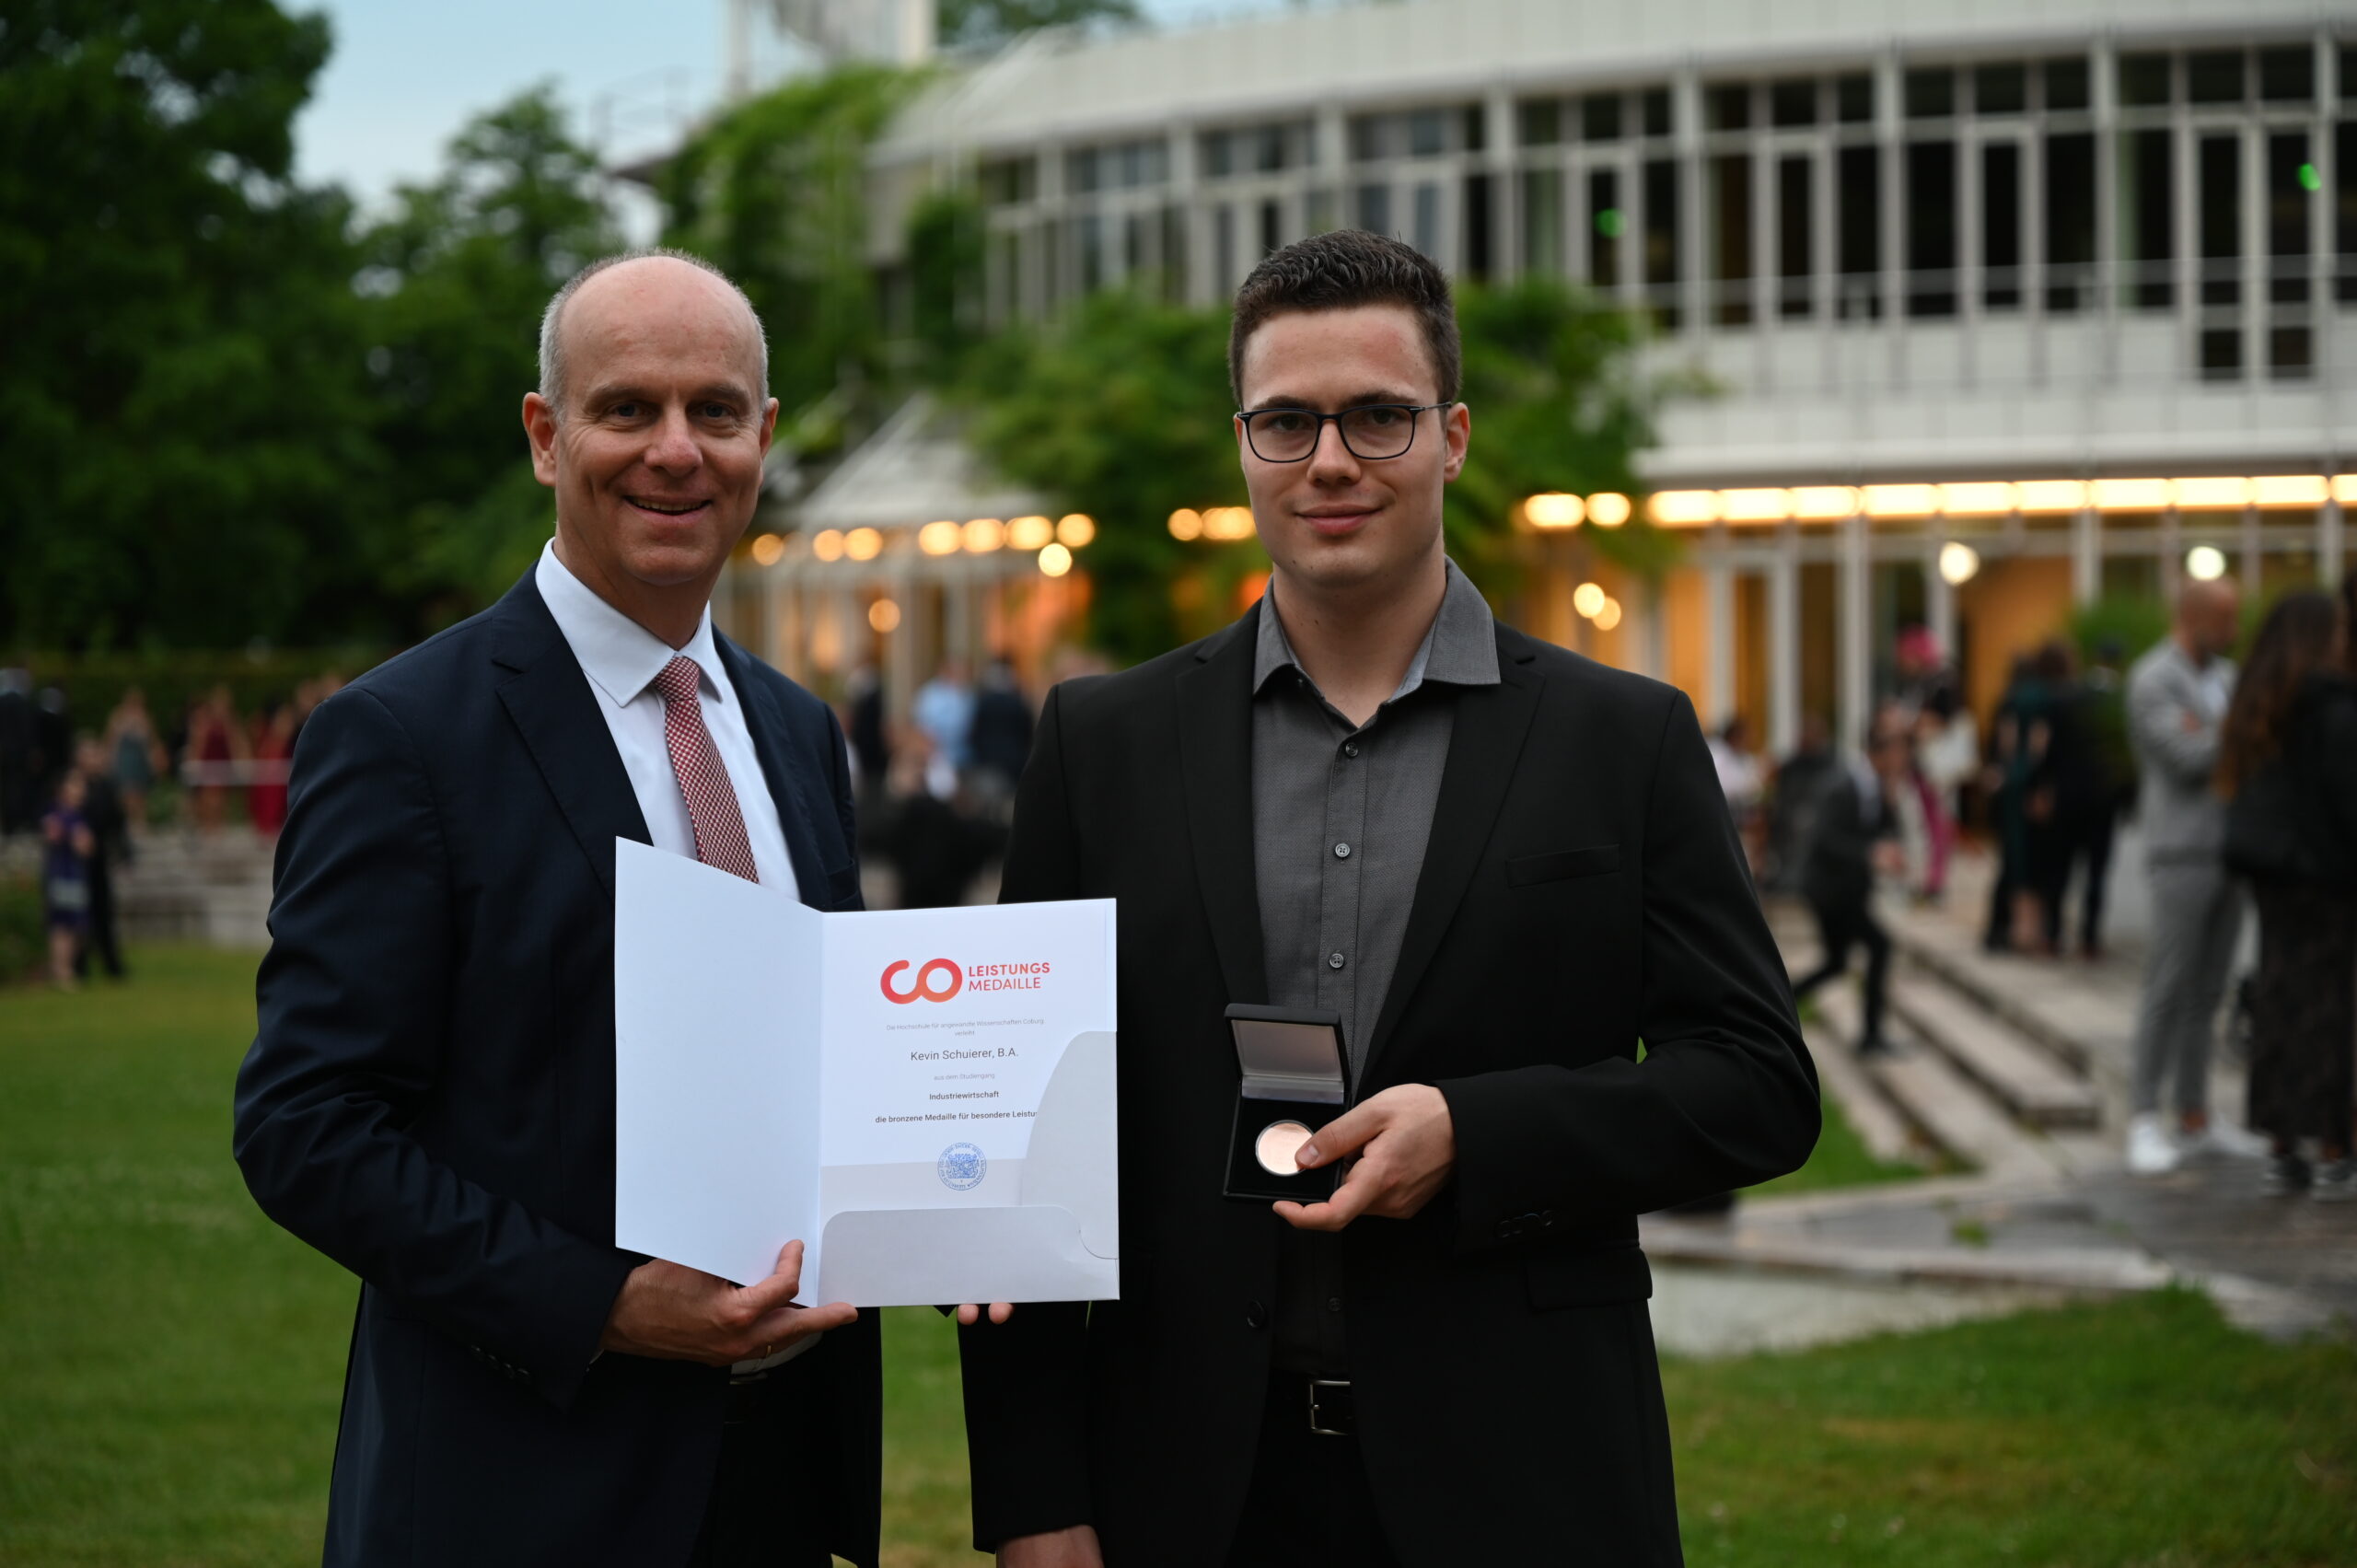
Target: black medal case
{"type": "Point", "coordinates": [1289, 1067]}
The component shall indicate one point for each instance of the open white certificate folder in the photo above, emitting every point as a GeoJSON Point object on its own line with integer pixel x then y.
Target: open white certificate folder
{"type": "Point", "coordinates": [924, 1097]}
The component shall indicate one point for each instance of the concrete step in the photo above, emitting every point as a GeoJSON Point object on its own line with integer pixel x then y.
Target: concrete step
{"type": "Point", "coordinates": [2028, 1082]}
{"type": "Point", "coordinates": [1880, 1125]}
{"type": "Point", "coordinates": [1954, 1112]}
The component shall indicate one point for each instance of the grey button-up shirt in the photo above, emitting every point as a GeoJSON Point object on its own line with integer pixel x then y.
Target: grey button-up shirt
{"type": "Point", "coordinates": [1341, 815]}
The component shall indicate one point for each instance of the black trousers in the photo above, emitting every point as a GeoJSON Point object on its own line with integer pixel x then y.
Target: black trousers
{"type": "Point", "coordinates": [1845, 926]}
{"type": "Point", "coordinates": [1311, 1505]}
{"type": "Point", "coordinates": [772, 1504]}
{"type": "Point", "coordinates": [100, 939]}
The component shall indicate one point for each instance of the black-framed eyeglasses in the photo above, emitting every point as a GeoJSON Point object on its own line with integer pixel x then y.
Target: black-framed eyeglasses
{"type": "Point", "coordinates": [1372, 432]}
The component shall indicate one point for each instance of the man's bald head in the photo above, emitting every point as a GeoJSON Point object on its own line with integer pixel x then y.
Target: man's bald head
{"type": "Point", "coordinates": [552, 337]}
{"type": "Point", "coordinates": [2209, 617]}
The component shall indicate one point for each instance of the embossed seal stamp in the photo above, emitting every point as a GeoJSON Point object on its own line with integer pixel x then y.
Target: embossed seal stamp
{"type": "Point", "coordinates": [962, 1168]}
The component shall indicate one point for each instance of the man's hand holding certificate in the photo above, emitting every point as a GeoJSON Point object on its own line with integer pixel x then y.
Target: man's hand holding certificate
{"type": "Point", "coordinates": [923, 1097]}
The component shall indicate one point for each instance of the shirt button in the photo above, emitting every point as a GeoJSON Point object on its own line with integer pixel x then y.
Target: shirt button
{"type": "Point", "coordinates": [1334, 960]}
{"type": "Point", "coordinates": [1333, 1303]}
{"type": "Point", "coordinates": [1342, 851]}
{"type": "Point", "coordinates": [1255, 1316]}
{"type": "Point", "coordinates": [1349, 747]}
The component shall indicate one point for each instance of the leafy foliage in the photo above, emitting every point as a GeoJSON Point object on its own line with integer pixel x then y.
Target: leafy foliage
{"type": "Point", "coordinates": [457, 276]}
{"type": "Point", "coordinates": [774, 194]}
{"type": "Point", "coordinates": [178, 381]}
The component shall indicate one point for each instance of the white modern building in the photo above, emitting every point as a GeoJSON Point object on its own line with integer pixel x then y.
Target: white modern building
{"type": "Point", "coordinates": [2011, 304]}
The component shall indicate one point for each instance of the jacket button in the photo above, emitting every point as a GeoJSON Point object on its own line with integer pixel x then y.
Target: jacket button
{"type": "Point", "coordinates": [1256, 1314]}
{"type": "Point", "coordinates": [1506, 1230]}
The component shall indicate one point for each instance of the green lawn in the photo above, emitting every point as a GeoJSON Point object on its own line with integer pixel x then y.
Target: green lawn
{"type": "Point", "coordinates": [1840, 1159]}
{"type": "Point", "coordinates": [169, 1367]}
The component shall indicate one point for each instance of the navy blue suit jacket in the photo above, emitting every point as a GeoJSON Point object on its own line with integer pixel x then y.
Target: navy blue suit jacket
{"type": "Point", "coordinates": [430, 1101]}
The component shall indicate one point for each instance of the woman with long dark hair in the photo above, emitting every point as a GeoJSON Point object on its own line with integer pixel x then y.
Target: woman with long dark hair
{"type": "Point", "coordinates": [2287, 763]}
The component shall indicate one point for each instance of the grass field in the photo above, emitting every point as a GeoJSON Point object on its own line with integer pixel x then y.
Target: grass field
{"type": "Point", "coordinates": [170, 1366]}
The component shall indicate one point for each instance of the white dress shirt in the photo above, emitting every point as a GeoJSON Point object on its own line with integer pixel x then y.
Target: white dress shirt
{"type": "Point", "coordinates": [622, 659]}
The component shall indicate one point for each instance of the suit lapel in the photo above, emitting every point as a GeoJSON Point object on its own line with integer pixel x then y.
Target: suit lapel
{"type": "Point", "coordinates": [555, 711]}
{"type": "Point", "coordinates": [782, 771]}
{"type": "Point", "coordinates": [1215, 773]}
{"type": "Point", "coordinates": [1484, 742]}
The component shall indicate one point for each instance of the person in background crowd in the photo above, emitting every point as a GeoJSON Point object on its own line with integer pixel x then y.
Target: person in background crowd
{"type": "Point", "coordinates": [1792, 809]}
{"type": "Point", "coordinates": [1855, 837]}
{"type": "Point", "coordinates": [2287, 764]}
{"type": "Point", "coordinates": [1002, 736]}
{"type": "Point", "coordinates": [2178, 696]}
{"type": "Point", "coordinates": [274, 747]}
{"type": "Point", "coordinates": [866, 728]}
{"type": "Point", "coordinates": [215, 742]}
{"type": "Point", "coordinates": [945, 711]}
{"type": "Point", "coordinates": [67, 848]}
{"type": "Point", "coordinates": [1743, 782]}
{"type": "Point", "coordinates": [134, 755]}
{"type": "Point", "coordinates": [2069, 787]}
{"type": "Point", "coordinates": [2102, 716]}
{"type": "Point", "coordinates": [2003, 781]}
{"type": "Point", "coordinates": [1925, 677]}
{"type": "Point", "coordinates": [936, 846]}
{"type": "Point", "coordinates": [103, 810]}
{"type": "Point", "coordinates": [1947, 753]}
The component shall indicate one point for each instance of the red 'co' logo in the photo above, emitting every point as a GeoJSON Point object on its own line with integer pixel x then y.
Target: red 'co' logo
{"type": "Point", "coordinates": [925, 984]}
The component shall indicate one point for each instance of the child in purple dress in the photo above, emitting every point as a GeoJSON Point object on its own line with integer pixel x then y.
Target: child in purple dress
{"type": "Point", "coordinates": [67, 844]}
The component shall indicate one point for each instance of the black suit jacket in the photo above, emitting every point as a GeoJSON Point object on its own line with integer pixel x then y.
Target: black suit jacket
{"type": "Point", "coordinates": [1839, 870]}
{"type": "Point", "coordinates": [1583, 889]}
{"type": "Point", "coordinates": [430, 1101]}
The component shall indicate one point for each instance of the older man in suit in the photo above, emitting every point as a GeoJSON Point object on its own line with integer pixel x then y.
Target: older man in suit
{"type": "Point", "coordinates": [1503, 867]}
{"type": "Point", "coordinates": [429, 1095]}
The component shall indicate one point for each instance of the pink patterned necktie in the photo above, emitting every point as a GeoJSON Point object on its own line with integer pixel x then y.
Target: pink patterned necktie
{"type": "Point", "coordinates": [704, 780]}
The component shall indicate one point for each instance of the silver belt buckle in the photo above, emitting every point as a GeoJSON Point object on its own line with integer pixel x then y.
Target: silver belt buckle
{"type": "Point", "coordinates": [1317, 1416]}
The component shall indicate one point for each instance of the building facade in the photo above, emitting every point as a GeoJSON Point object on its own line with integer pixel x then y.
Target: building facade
{"type": "Point", "coordinates": [2007, 304]}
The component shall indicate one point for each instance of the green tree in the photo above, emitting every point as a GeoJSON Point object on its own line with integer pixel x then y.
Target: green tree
{"type": "Point", "coordinates": [1122, 411]}
{"type": "Point", "coordinates": [181, 409]}
{"type": "Point", "coordinates": [965, 22]}
{"type": "Point", "coordinates": [457, 273]}
{"type": "Point", "coordinates": [775, 193]}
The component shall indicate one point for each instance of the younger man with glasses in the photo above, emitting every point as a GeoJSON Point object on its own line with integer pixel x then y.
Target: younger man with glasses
{"type": "Point", "coordinates": [1503, 866]}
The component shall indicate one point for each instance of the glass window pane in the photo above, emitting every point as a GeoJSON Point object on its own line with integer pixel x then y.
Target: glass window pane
{"type": "Point", "coordinates": [2070, 221]}
{"type": "Point", "coordinates": [2290, 178]}
{"type": "Point", "coordinates": [1427, 236]}
{"type": "Point", "coordinates": [1731, 225]}
{"type": "Point", "coordinates": [1858, 227]}
{"type": "Point", "coordinates": [1606, 223]}
{"type": "Point", "coordinates": [2000, 225]}
{"type": "Point", "coordinates": [1543, 222]}
{"type": "Point", "coordinates": [2221, 172]}
{"type": "Point", "coordinates": [1931, 94]}
{"type": "Point", "coordinates": [1538, 122]}
{"type": "Point", "coordinates": [1662, 240]}
{"type": "Point", "coordinates": [2287, 76]}
{"type": "Point", "coordinates": [2147, 218]}
{"type": "Point", "coordinates": [1793, 236]}
{"type": "Point", "coordinates": [1792, 103]}
{"type": "Point", "coordinates": [2344, 164]}
{"type": "Point", "coordinates": [1375, 208]}
{"type": "Point", "coordinates": [1600, 117]}
{"type": "Point", "coordinates": [2216, 77]}
{"type": "Point", "coordinates": [2066, 85]}
{"type": "Point", "coordinates": [1930, 229]}
{"type": "Point", "coordinates": [1475, 258]}
{"type": "Point", "coordinates": [1855, 99]}
{"type": "Point", "coordinates": [1427, 132]}
{"type": "Point", "coordinates": [1656, 111]}
{"type": "Point", "coordinates": [2144, 81]}
{"type": "Point", "coordinates": [1728, 107]}
{"type": "Point", "coordinates": [2000, 89]}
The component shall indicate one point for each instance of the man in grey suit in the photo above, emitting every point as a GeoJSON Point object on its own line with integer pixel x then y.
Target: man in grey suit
{"type": "Point", "coordinates": [2178, 695]}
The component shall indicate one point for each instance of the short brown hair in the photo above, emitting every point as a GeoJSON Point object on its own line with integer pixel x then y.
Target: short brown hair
{"type": "Point", "coordinates": [1343, 271]}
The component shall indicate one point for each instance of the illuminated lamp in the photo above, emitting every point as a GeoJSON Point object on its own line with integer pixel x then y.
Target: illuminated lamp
{"type": "Point", "coordinates": [1824, 502]}
{"type": "Point", "coordinates": [1755, 505]}
{"type": "Point", "coordinates": [827, 544]}
{"type": "Point", "coordinates": [2290, 490]}
{"type": "Point", "coordinates": [863, 544]}
{"type": "Point", "coordinates": [2344, 488]}
{"type": "Point", "coordinates": [1553, 509]}
{"type": "Point", "coordinates": [1608, 615]}
{"type": "Point", "coordinates": [768, 550]}
{"type": "Point", "coordinates": [1685, 508]}
{"type": "Point", "coordinates": [2205, 564]}
{"type": "Point", "coordinates": [2209, 493]}
{"type": "Point", "coordinates": [2050, 496]}
{"type": "Point", "coordinates": [1901, 500]}
{"type": "Point", "coordinates": [1587, 599]}
{"type": "Point", "coordinates": [984, 535]}
{"type": "Point", "coordinates": [2133, 494]}
{"type": "Point", "coordinates": [1186, 523]}
{"type": "Point", "coordinates": [883, 615]}
{"type": "Point", "coordinates": [1959, 563]}
{"type": "Point", "coordinates": [1976, 500]}
{"type": "Point", "coordinates": [1029, 533]}
{"type": "Point", "coordinates": [940, 539]}
{"type": "Point", "coordinates": [1074, 529]}
{"type": "Point", "coordinates": [1055, 560]}
{"type": "Point", "coordinates": [1609, 509]}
